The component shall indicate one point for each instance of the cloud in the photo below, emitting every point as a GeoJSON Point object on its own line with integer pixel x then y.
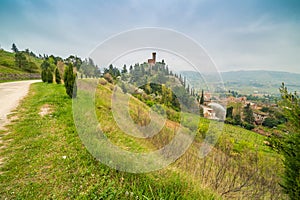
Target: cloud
{"type": "Point", "coordinates": [248, 34]}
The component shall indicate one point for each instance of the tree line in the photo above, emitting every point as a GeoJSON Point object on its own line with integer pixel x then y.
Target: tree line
{"type": "Point", "coordinates": [23, 60]}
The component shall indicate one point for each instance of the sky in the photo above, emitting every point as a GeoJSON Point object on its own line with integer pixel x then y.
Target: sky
{"type": "Point", "coordinates": [236, 34]}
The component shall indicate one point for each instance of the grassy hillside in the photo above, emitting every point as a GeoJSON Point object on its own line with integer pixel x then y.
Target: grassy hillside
{"type": "Point", "coordinates": [8, 70]}
{"type": "Point", "coordinates": [45, 158]}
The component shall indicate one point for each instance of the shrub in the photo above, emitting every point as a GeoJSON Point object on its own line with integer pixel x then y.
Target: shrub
{"type": "Point", "coordinates": [108, 77]}
{"type": "Point", "coordinates": [248, 126]}
{"type": "Point", "coordinates": [173, 115]}
{"type": "Point", "coordinates": [102, 81]}
{"type": "Point", "coordinates": [270, 122]}
{"type": "Point", "coordinates": [149, 103]}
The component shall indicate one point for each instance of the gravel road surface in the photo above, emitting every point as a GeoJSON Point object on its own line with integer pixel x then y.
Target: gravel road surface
{"type": "Point", "coordinates": [10, 95]}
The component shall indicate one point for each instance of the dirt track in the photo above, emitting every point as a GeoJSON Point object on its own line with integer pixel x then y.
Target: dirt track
{"type": "Point", "coordinates": [10, 95]}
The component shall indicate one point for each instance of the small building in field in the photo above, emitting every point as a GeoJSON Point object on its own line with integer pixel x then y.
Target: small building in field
{"type": "Point", "coordinates": [209, 113]}
{"type": "Point", "coordinates": [259, 117]}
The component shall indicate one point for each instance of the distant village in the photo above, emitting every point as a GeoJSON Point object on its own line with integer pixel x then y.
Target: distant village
{"type": "Point", "coordinates": [258, 115]}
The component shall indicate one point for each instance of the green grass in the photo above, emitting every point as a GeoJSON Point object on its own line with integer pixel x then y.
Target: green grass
{"type": "Point", "coordinates": [8, 70]}
{"type": "Point", "coordinates": [7, 59]}
{"type": "Point", "coordinates": [45, 158]}
{"type": "Point", "coordinates": [35, 167]}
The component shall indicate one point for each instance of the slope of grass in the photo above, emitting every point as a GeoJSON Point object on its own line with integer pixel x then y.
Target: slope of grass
{"type": "Point", "coordinates": [239, 157]}
{"type": "Point", "coordinates": [44, 158]}
{"type": "Point", "coordinates": [8, 70]}
{"type": "Point", "coordinates": [7, 59]}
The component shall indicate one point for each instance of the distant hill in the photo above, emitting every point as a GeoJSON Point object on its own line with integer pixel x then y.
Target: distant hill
{"type": "Point", "coordinates": [248, 82]}
{"type": "Point", "coordinates": [8, 70]}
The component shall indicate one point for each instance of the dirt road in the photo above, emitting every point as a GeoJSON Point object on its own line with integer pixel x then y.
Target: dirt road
{"type": "Point", "coordinates": [10, 95]}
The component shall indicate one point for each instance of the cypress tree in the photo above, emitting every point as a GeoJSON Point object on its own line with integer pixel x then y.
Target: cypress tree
{"type": "Point", "coordinates": [248, 114]}
{"type": "Point", "coordinates": [14, 48]}
{"type": "Point", "coordinates": [44, 75]}
{"type": "Point", "coordinates": [49, 76]}
{"type": "Point", "coordinates": [229, 112]}
{"type": "Point", "coordinates": [57, 76]}
{"type": "Point", "coordinates": [69, 79]}
{"type": "Point", "coordinates": [202, 98]}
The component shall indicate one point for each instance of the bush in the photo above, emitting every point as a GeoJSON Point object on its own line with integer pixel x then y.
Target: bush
{"type": "Point", "coordinates": [248, 126]}
{"type": "Point", "coordinates": [202, 129]}
{"type": "Point", "coordinates": [150, 103]}
{"type": "Point", "coordinates": [108, 77]}
{"type": "Point", "coordinates": [270, 122]}
{"type": "Point", "coordinates": [173, 115]}
{"type": "Point", "coordinates": [102, 81]}
{"type": "Point", "coordinates": [237, 120]}
{"type": "Point", "coordinates": [229, 121]}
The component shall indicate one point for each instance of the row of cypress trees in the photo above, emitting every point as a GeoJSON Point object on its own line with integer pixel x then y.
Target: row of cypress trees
{"type": "Point", "coordinates": [50, 73]}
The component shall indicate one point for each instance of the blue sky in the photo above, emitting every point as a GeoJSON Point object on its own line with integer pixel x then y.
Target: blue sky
{"type": "Point", "coordinates": [237, 34]}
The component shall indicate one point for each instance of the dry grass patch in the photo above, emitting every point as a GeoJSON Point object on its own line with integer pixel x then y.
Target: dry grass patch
{"type": "Point", "coordinates": [46, 109]}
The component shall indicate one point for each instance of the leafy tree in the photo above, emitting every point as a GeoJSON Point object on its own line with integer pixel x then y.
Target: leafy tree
{"type": "Point", "coordinates": [57, 76]}
{"type": "Point", "coordinates": [88, 68]}
{"type": "Point", "coordinates": [113, 71]}
{"type": "Point", "coordinates": [77, 62]}
{"type": "Point", "coordinates": [69, 79]}
{"type": "Point", "coordinates": [21, 61]}
{"type": "Point", "coordinates": [27, 51]}
{"type": "Point", "coordinates": [45, 64]}
{"type": "Point", "coordinates": [166, 95]}
{"type": "Point", "coordinates": [289, 144]}
{"type": "Point", "coordinates": [14, 48]}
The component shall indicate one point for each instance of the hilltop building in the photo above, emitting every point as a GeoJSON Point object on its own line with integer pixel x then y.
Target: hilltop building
{"type": "Point", "coordinates": [152, 61]}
